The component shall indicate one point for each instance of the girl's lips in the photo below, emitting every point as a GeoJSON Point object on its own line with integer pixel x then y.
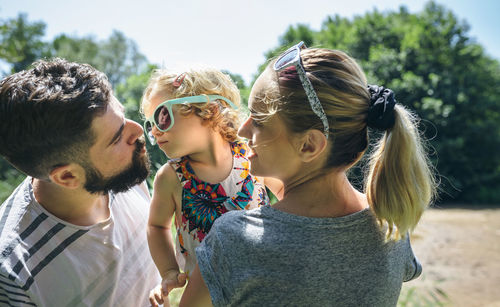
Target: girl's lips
{"type": "Point", "coordinates": [161, 142]}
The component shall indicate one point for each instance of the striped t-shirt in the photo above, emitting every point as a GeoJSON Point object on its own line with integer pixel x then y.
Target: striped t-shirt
{"type": "Point", "coordinates": [45, 261]}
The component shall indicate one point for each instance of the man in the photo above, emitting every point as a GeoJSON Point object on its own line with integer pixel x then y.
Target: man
{"type": "Point", "coordinates": [74, 232]}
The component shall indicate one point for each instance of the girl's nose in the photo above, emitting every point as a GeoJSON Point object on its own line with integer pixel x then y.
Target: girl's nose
{"type": "Point", "coordinates": [156, 133]}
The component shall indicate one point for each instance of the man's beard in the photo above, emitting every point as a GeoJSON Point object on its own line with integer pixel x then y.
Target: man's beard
{"type": "Point", "coordinates": [133, 175]}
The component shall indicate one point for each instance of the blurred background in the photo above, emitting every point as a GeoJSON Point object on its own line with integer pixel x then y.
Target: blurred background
{"type": "Point", "coordinates": [441, 58]}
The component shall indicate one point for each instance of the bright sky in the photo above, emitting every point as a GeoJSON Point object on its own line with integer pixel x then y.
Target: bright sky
{"type": "Point", "coordinates": [226, 34]}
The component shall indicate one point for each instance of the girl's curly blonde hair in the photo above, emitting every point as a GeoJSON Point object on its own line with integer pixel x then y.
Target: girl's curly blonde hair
{"type": "Point", "coordinates": [170, 84]}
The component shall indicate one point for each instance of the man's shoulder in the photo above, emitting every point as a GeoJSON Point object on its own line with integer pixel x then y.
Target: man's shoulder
{"type": "Point", "coordinates": [13, 209]}
{"type": "Point", "coordinates": [13, 230]}
{"type": "Point", "coordinates": [136, 193]}
{"type": "Point", "coordinates": [133, 202]}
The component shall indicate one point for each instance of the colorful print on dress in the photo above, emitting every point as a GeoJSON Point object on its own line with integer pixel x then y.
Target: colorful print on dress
{"type": "Point", "coordinates": [202, 204]}
{"type": "Point", "coordinates": [239, 149]}
{"type": "Point", "coordinates": [244, 196]}
{"type": "Point", "coordinates": [264, 199]}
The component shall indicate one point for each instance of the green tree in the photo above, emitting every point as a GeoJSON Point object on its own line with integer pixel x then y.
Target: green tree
{"type": "Point", "coordinates": [21, 42]}
{"type": "Point", "coordinates": [118, 57]}
{"type": "Point", "coordinates": [240, 83]}
{"type": "Point", "coordinates": [82, 50]}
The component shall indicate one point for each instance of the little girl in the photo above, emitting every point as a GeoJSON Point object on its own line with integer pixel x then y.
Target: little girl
{"type": "Point", "coordinates": [191, 116]}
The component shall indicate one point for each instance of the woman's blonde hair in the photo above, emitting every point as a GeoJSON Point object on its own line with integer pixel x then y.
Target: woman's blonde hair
{"type": "Point", "coordinates": [399, 184]}
{"type": "Point", "coordinates": [171, 84]}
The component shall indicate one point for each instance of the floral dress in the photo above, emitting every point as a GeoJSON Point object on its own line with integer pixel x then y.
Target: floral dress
{"type": "Point", "coordinates": [203, 202]}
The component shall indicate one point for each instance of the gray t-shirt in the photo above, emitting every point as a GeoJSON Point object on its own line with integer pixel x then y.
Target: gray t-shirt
{"type": "Point", "coordinates": [266, 257]}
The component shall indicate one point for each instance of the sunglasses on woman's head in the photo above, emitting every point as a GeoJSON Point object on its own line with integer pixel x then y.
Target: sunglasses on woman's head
{"type": "Point", "coordinates": [291, 57]}
{"type": "Point", "coordinates": [163, 118]}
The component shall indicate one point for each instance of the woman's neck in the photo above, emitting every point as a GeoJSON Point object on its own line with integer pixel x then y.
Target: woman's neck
{"type": "Point", "coordinates": [322, 195]}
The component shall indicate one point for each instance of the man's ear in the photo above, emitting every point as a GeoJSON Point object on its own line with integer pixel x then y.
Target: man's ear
{"type": "Point", "coordinates": [313, 144]}
{"type": "Point", "coordinates": [69, 176]}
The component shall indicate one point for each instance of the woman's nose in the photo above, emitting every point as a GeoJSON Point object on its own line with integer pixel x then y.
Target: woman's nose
{"type": "Point", "coordinates": [243, 130]}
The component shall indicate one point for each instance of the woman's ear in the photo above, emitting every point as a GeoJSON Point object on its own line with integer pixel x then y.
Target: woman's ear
{"type": "Point", "coordinates": [313, 144]}
{"type": "Point", "coordinates": [69, 176]}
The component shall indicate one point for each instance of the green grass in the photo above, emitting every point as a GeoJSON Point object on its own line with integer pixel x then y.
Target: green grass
{"type": "Point", "coordinates": [410, 297]}
{"type": "Point", "coordinates": [429, 296]}
{"type": "Point", "coordinates": [10, 180]}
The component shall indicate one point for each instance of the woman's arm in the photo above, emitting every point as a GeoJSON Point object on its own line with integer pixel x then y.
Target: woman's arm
{"type": "Point", "coordinates": [196, 292]}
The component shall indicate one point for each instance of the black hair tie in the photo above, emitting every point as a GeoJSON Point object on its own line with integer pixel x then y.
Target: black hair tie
{"type": "Point", "coordinates": [381, 111]}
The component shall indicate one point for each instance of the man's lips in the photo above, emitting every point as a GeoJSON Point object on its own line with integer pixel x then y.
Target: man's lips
{"type": "Point", "coordinates": [140, 146]}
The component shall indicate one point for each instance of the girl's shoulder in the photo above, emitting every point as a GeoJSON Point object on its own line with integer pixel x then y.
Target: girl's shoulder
{"type": "Point", "coordinates": [166, 173]}
{"type": "Point", "coordinates": [166, 181]}
{"type": "Point", "coordinates": [182, 169]}
{"type": "Point", "coordinates": [175, 163]}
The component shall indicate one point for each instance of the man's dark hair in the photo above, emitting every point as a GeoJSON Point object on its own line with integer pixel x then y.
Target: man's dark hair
{"type": "Point", "coordinates": [46, 114]}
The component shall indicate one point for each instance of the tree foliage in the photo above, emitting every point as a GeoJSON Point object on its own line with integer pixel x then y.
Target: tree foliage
{"type": "Point", "coordinates": [21, 42]}
{"type": "Point", "coordinates": [118, 57]}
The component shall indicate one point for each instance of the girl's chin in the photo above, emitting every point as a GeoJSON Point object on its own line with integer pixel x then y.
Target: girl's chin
{"type": "Point", "coordinates": [170, 155]}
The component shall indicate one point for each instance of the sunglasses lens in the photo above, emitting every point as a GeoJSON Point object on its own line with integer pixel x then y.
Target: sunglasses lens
{"type": "Point", "coordinates": [148, 127]}
{"type": "Point", "coordinates": [162, 118]}
{"type": "Point", "coordinates": [285, 59]}
{"type": "Point", "coordinates": [149, 133]}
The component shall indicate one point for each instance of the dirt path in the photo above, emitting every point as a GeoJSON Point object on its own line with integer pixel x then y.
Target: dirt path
{"type": "Point", "coordinates": [460, 253]}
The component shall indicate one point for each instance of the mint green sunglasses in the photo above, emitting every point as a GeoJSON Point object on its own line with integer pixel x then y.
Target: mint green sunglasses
{"type": "Point", "coordinates": [163, 118]}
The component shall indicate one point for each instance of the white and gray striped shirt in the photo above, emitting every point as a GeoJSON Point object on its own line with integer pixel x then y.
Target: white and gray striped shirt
{"type": "Point", "coordinates": [45, 261]}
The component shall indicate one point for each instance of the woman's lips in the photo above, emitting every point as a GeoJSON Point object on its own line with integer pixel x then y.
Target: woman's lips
{"type": "Point", "coordinates": [251, 153]}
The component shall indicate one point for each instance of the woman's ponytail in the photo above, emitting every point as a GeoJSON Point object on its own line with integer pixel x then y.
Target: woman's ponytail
{"type": "Point", "coordinates": [400, 183]}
